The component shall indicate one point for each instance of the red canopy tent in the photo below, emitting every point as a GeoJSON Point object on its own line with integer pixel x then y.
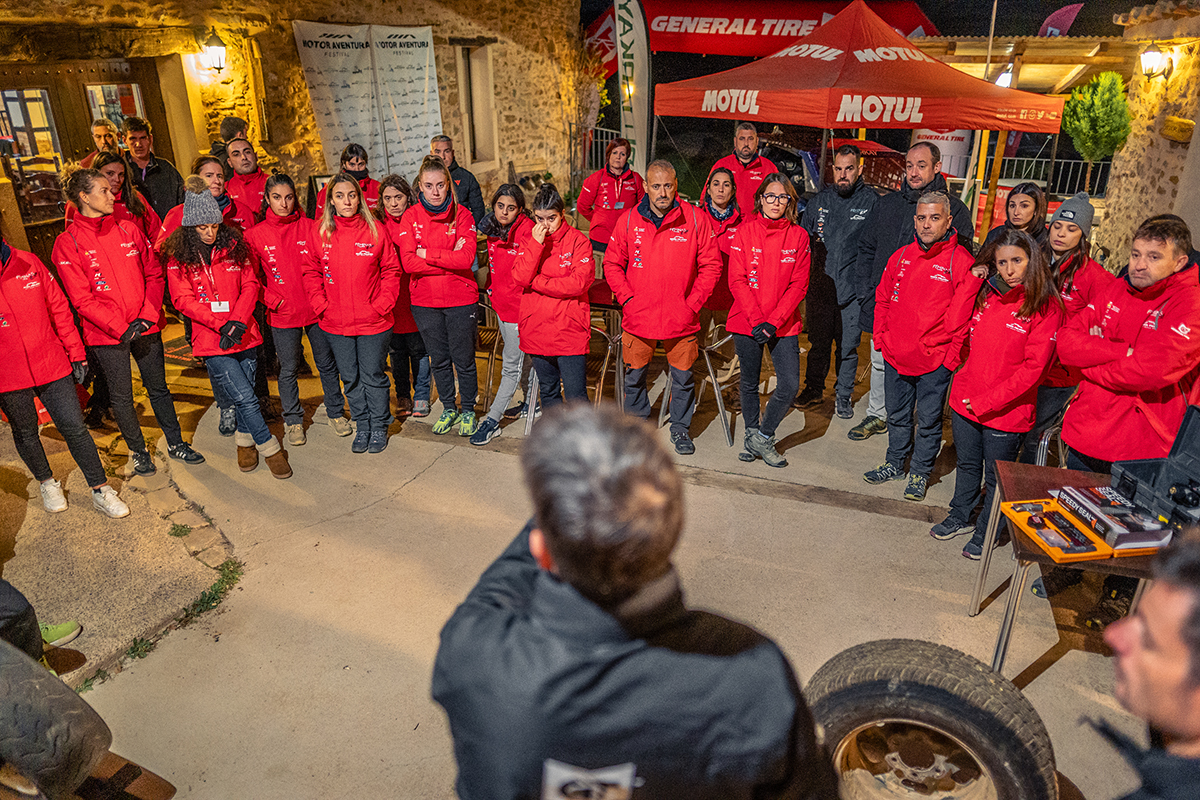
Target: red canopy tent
{"type": "Point", "coordinates": [855, 71]}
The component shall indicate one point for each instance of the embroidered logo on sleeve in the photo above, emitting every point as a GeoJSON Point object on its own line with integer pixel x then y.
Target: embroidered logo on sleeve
{"type": "Point", "coordinates": [1183, 330]}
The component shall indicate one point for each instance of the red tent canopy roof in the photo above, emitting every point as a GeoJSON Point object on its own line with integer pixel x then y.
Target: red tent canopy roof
{"type": "Point", "coordinates": [856, 72]}
{"type": "Point", "coordinates": [867, 147]}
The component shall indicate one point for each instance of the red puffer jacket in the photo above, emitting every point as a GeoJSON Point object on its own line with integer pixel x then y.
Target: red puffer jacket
{"type": "Point", "coordinates": [721, 298]}
{"type": "Point", "coordinates": [603, 199]}
{"type": "Point", "coordinates": [353, 278]}
{"type": "Point", "coordinates": [1006, 358]}
{"type": "Point", "coordinates": [38, 339]}
{"type": "Point", "coordinates": [276, 244]}
{"type": "Point", "coordinates": [211, 295]}
{"type": "Point", "coordinates": [235, 216]}
{"type": "Point", "coordinates": [556, 318]}
{"type": "Point", "coordinates": [370, 193]}
{"type": "Point", "coordinates": [923, 305]}
{"type": "Point", "coordinates": [1087, 282]}
{"type": "Point", "coordinates": [1130, 405]}
{"type": "Point", "coordinates": [149, 223]}
{"type": "Point", "coordinates": [768, 275]}
{"type": "Point", "coordinates": [443, 278]}
{"type": "Point", "coordinates": [662, 275]}
{"type": "Point", "coordinates": [402, 316]}
{"type": "Point", "coordinates": [504, 291]}
{"type": "Point", "coordinates": [111, 277]}
{"type": "Point", "coordinates": [247, 191]}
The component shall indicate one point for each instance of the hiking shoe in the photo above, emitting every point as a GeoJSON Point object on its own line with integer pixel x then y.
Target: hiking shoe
{"type": "Point", "coordinates": [53, 498]}
{"type": "Point", "coordinates": [362, 440]}
{"type": "Point", "coordinates": [885, 472]}
{"type": "Point", "coordinates": [684, 445]}
{"type": "Point", "coordinates": [867, 428]}
{"type": "Point", "coordinates": [467, 424]}
{"type": "Point", "coordinates": [142, 463]}
{"type": "Point", "coordinates": [488, 429]}
{"type": "Point", "coordinates": [843, 408]}
{"type": "Point", "coordinates": [1054, 580]}
{"type": "Point", "coordinates": [917, 484]}
{"type": "Point", "coordinates": [420, 408]}
{"type": "Point", "coordinates": [764, 447]}
{"type": "Point", "coordinates": [1113, 605]}
{"type": "Point", "coordinates": [517, 411]}
{"type": "Point", "coordinates": [746, 455]}
{"type": "Point", "coordinates": [378, 443]}
{"type": "Point", "coordinates": [810, 398]}
{"type": "Point", "coordinates": [340, 425]}
{"type": "Point", "coordinates": [445, 422]}
{"type": "Point", "coordinates": [227, 424]}
{"type": "Point", "coordinates": [63, 633]}
{"type": "Point", "coordinates": [949, 528]}
{"type": "Point", "coordinates": [184, 452]}
{"type": "Point", "coordinates": [107, 503]}
{"type": "Point", "coordinates": [974, 548]}
{"type": "Point", "coordinates": [295, 433]}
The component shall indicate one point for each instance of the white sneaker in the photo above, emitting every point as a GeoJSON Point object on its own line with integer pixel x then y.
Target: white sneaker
{"type": "Point", "coordinates": [52, 496]}
{"type": "Point", "coordinates": [106, 501]}
{"type": "Point", "coordinates": [295, 434]}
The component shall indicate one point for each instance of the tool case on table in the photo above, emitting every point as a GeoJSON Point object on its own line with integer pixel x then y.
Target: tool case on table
{"type": "Point", "coordinates": [1167, 487]}
{"type": "Point", "coordinates": [1062, 538]}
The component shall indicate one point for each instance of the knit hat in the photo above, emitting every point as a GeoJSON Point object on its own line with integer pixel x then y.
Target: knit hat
{"type": "Point", "coordinates": [200, 208]}
{"type": "Point", "coordinates": [1077, 210]}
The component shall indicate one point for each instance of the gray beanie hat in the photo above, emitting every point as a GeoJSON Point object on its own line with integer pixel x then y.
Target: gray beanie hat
{"type": "Point", "coordinates": [200, 209]}
{"type": "Point", "coordinates": [1077, 209]}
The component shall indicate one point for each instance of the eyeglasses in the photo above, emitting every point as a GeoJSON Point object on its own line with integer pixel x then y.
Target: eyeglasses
{"type": "Point", "coordinates": [775, 198]}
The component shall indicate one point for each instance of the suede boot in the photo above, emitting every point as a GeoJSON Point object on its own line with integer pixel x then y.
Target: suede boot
{"type": "Point", "coordinates": [276, 458]}
{"type": "Point", "coordinates": [247, 453]}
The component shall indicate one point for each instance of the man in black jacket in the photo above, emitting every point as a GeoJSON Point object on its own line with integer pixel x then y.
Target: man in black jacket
{"type": "Point", "coordinates": [1156, 653]}
{"type": "Point", "coordinates": [574, 669]}
{"type": "Point", "coordinates": [891, 228]}
{"type": "Point", "coordinates": [466, 188]}
{"type": "Point", "coordinates": [154, 177]}
{"type": "Point", "coordinates": [834, 220]}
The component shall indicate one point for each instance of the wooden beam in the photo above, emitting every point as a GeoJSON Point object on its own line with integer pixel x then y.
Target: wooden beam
{"type": "Point", "coordinates": [1033, 59]}
{"type": "Point", "coordinates": [1075, 72]}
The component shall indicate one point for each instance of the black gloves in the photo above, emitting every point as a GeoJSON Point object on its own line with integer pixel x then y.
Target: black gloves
{"type": "Point", "coordinates": [79, 370]}
{"type": "Point", "coordinates": [231, 334]}
{"type": "Point", "coordinates": [763, 332]}
{"type": "Point", "coordinates": [135, 329]}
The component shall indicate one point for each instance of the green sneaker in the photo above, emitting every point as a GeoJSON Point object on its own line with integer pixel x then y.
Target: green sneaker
{"type": "Point", "coordinates": [467, 424]}
{"type": "Point", "coordinates": [58, 635]}
{"type": "Point", "coordinates": [46, 664]}
{"type": "Point", "coordinates": [445, 422]}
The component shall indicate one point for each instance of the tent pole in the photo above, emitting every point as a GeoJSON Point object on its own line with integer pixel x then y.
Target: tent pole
{"type": "Point", "coordinates": [824, 147]}
{"type": "Point", "coordinates": [1050, 171]}
{"type": "Point", "coordinates": [989, 211]}
{"type": "Point", "coordinates": [654, 140]}
{"type": "Point", "coordinates": [969, 182]}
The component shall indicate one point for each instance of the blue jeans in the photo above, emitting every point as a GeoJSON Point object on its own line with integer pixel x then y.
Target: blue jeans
{"type": "Point", "coordinates": [360, 360]}
{"type": "Point", "coordinates": [570, 371]}
{"type": "Point", "coordinates": [978, 448]}
{"type": "Point", "coordinates": [410, 366]}
{"type": "Point", "coordinates": [234, 375]}
{"type": "Point", "coordinates": [290, 349]}
{"type": "Point", "coordinates": [927, 393]}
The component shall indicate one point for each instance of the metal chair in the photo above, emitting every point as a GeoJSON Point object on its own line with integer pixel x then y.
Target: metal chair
{"type": "Point", "coordinates": [611, 332]}
{"type": "Point", "coordinates": [1055, 429]}
{"type": "Point", "coordinates": [707, 351]}
{"type": "Point", "coordinates": [492, 328]}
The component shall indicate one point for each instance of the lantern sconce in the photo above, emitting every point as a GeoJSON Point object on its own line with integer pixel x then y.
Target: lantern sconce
{"type": "Point", "coordinates": [1155, 62]}
{"type": "Point", "coordinates": [214, 52]}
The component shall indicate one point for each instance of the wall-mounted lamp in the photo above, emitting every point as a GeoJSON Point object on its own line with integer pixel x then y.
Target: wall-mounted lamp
{"type": "Point", "coordinates": [214, 52]}
{"type": "Point", "coordinates": [1155, 62]}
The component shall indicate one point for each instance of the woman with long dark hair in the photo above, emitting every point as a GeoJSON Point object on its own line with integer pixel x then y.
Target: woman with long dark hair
{"type": "Point", "coordinates": [352, 276]}
{"type": "Point", "coordinates": [410, 361]}
{"type": "Point", "coordinates": [354, 163]}
{"type": "Point", "coordinates": [1025, 210]}
{"type": "Point", "coordinates": [128, 202]}
{"type": "Point", "coordinates": [720, 203]}
{"type": "Point", "coordinates": [506, 228]}
{"type": "Point", "coordinates": [768, 276]}
{"type": "Point", "coordinates": [436, 239]}
{"type": "Point", "coordinates": [276, 244]}
{"type": "Point", "coordinates": [1008, 346]}
{"type": "Point", "coordinates": [554, 267]}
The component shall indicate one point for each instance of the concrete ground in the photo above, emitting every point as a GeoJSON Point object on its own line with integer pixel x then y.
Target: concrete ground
{"type": "Point", "coordinates": [312, 679]}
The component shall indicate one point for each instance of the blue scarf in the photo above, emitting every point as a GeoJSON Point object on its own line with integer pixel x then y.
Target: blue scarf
{"type": "Point", "coordinates": [720, 216]}
{"type": "Point", "coordinates": [224, 202]}
{"type": "Point", "coordinates": [435, 209]}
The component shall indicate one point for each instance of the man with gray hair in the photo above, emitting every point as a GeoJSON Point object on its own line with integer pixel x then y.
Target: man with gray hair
{"type": "Point", "coordinates": [106, 135]}
{"type": "Point", "coordinates": [922, 306]}
{"type": "Point", "coordinates": [574, 661]}
{"type": "Point", "coordinates": [466, 187]}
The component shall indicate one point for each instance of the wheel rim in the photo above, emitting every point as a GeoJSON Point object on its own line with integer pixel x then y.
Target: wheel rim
{"type": "Point", "coordinates": [898, 758]}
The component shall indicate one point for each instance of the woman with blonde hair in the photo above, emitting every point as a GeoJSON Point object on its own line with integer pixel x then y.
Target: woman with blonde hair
{"type": "Point", "coordinates": [352, 277]}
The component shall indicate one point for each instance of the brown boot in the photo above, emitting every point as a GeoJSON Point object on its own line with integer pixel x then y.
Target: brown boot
{"type": "Point", "coordinates": [276, 457]}
{"type": "Point", "coordinates": [247, 452]}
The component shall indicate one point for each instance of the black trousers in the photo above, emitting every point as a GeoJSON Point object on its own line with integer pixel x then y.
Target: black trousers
{"type": "Point", "coordinates": [18, 622]}
{"type": "Point", "coordinates": [147, 351]}
{"type": "Point", "coordinates": [785, 354]}
{"type": "Point", "coordinates": [62, 403]}
{"type": "Point", "coordinates": [449, 335]}
{"type": "Point", "coordinates": [829, 326]}
{"type": "Point", "coordinates": [567, 372]}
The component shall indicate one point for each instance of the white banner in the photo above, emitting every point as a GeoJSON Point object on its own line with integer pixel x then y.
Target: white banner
{"type": "Point", "coordinates": [407, 88]}
{"type": "Point", "coordinates": [633, 62]}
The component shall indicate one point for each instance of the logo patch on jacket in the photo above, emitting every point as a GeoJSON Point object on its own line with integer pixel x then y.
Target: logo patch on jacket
{"type": "Point", "coordinates": [567, 782]}
{"type": "Point", "coordinates": [1183, 330]}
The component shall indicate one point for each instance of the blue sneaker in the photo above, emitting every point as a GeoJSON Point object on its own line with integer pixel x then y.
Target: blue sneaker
{"type": "Point", "coordinates": [378, 443]}
{"type": "Point", "coordinates": [362, 440]}
{"type": "Point", "coordinates": [488, 429]}
{"type": "Point", "coordinates": [883, 473]}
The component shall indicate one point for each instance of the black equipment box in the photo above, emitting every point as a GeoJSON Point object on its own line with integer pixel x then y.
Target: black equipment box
{"type": "Point", "coordinates": [1167, 487]}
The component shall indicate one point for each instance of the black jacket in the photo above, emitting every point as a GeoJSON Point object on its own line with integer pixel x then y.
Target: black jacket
{"type": "Point", "coordinates": [531, 673]}
{"type": "Point", "coordinates": [891, 228]}
{"type": "Point", "coordinates": [1042, 238]}
{"type": "Point", "coordinates": [834, 224]}
{"type": "Point", "coordinates": [1164, 776]}
{"type": "Point", "coordinates": [467, 191]}
{"type": "Point", "coordinates": [162, 184]}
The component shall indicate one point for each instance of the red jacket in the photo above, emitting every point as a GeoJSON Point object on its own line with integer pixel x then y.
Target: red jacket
{"type": "Point", "coordinates": [202, 292]}
{"type": "Point", "coordinates": [923, 305]}
{"type": "Point", "coordinates": [402, 316]}
{"type": "Point", "coordinates": [556, 317]}
{"type": "Point", "coordinates": [352, 279]}
{"type": "Point", "coordinates": [721, 298]}
{"type": "Point", "coordinates": [662, 276]}
{"type": "Point", "coordinates": [247, 191]}
{"type": "Point", "coordinates": [111, 276]}
{"type": "Point", "coordinates": [504, 292]}
{"type": "Point", "coordinates": [38, 339]}
{"type": "Point", "coordinates": [603, 199]}
{"type": "Point", "coordinates": [1006, 358]}
{"type": "Point", "coordinates": [443, 279]}
{"type": "Point", "coordinates": [1087, 282]}
{"type": "Point", "coordinates": [235, 216]}
{"type": "Point", "coordinates": [276, 244]}
{"type": "Point", "coordinates": [1131, 406]}
{"type": "Point", "coordinates": [148, 223]}
{"type": "Point", "coordinates": [747, 178]}
{"type": "Point", "coordinates": [370, 193]}
{"type": "Point", "coordinates": [768, 275]}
